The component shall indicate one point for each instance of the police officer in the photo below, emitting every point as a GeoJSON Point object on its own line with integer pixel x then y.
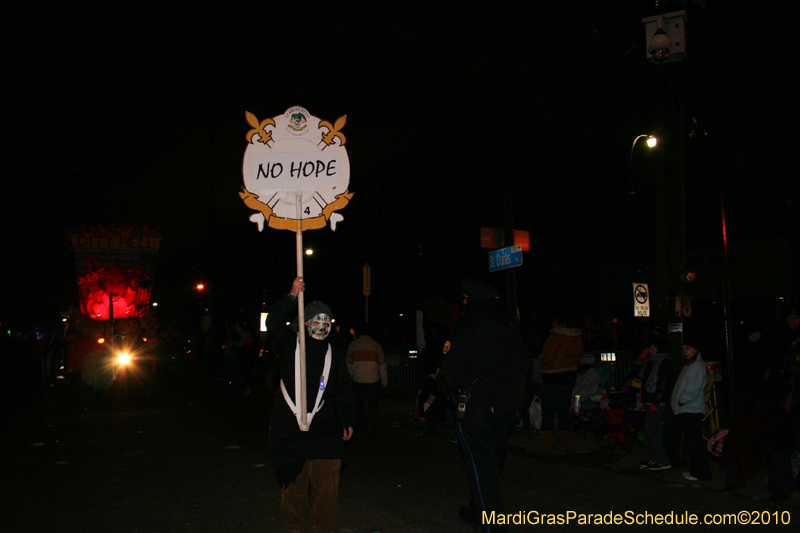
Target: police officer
{"type": "Point", "coordinates": [483, 366]}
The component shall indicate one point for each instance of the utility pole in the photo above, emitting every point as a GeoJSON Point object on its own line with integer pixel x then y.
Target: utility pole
{"type": "Point", "coordinates": [665, 40]}
{"type": "Point", "coordinates": [511, 273]}
{"type": "Point", "coordinates": [502, 101]}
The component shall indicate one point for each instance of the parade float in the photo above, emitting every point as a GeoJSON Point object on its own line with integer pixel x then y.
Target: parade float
{"type": "Point", "coordinates": [109, 323]}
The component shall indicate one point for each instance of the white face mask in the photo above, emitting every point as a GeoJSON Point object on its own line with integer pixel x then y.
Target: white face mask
{"type": "Point", "coordinates": [319, 327]}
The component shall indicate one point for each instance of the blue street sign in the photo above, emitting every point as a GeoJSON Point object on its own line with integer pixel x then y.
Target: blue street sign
{"type": "Point", "coordinates": [505, 258]}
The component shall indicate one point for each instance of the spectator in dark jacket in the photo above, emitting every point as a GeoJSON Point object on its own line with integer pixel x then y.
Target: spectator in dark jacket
{"type": "Point", "coordinates": [656, 376]}
{"type": "Point", "coordinates": [761, 436]}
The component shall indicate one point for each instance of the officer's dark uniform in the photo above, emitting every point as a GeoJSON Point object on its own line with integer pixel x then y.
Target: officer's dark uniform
{"type": "Point", "coordinates": [488, 357]}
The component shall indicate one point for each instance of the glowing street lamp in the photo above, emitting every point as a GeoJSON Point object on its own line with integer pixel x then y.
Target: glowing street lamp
{"type": "Point", "coordinates": [651, 143]}
{"type": "Point", "coordinates": [309, 251]}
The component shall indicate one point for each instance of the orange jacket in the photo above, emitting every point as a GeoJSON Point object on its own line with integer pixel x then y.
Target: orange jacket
{"type": "Point", "coordinates": [562, 351]}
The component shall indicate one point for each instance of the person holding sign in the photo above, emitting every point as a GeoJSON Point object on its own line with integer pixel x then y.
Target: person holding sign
{"type": "Point", "coordinates": [308, 453]}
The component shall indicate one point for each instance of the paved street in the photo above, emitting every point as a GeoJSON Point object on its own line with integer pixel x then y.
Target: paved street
{"type": "Point", "coordinates": [163, 466]}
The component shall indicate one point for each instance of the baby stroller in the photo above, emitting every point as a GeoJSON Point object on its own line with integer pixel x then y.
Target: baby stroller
{"type": "Point", "coordinates": [622, 422]}
{"type": "Point", "coordinates": [591, 387]}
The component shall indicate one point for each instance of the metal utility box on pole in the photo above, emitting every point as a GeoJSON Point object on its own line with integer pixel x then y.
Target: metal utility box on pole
{"type": "Point", "coordinates": [665, 37]}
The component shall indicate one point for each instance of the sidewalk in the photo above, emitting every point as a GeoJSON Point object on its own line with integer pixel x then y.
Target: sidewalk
{"type": "Point", "coordinates": [607, 454]}
{"type": "Point", "coordinates": [584, 451]}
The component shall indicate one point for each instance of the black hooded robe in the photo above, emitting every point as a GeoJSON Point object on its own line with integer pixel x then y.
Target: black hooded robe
{"type": "Point", "coordinates": [290, 447]}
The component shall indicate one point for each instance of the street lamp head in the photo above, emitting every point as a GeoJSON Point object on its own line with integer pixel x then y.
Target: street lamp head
{"type": "Point", "coordinates": [651, 142]}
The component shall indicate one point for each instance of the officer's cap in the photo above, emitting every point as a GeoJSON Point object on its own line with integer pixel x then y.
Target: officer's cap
{"type": "Point", "coordinates": [478, 290]}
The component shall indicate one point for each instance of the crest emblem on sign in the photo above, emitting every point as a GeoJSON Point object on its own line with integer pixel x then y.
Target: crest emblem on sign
{"type": "Point", "coordinates": [298, 121]}
{"type": "Point", "coordinates": [291, 155]}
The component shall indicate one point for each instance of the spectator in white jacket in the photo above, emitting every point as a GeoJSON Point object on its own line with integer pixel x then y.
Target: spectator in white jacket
{"type": "Point", "coordinates": [367, 366]}
{"type": "Point", "coordinates": [689, 405]}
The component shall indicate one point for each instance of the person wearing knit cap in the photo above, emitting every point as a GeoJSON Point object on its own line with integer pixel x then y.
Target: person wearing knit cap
{"type": "Point", "coordinates": [689, 405]}
{"type": "Point", "coordinates": [308, 456]}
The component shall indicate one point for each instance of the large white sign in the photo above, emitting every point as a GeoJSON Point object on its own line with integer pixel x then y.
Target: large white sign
{"type": "Point", "coordinates": [295, 157]}
{"type": "Point", "coordinates": [641, 299]}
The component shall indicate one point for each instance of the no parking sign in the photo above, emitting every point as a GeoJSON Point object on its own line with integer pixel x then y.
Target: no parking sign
{"type": "Point", "coordinates": [641, 299]}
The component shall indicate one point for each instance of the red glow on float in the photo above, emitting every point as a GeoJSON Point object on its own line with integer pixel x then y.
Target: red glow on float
{"type": "Point", "coordinates": [98, 289]}
{"type": "Point", "coordinates": [116, 279]}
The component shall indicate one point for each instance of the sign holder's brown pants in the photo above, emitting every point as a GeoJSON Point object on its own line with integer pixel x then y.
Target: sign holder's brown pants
{"type": "Point", "coordinates": [322, 475]}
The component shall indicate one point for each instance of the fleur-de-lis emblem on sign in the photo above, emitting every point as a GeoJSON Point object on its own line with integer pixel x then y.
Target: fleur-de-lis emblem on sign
{"type": "Point", "coordinates": [258, 128]}
{"type": "Point", "coordinates": [333, 130]}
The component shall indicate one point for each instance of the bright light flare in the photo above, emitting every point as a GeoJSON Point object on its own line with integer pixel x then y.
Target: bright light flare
{"type": "Point", "coordinates": [652, 142]}
{"type": "Point", "coordinates": [123, 359]}
{"type": "Point", "coordinates": [309, 251]}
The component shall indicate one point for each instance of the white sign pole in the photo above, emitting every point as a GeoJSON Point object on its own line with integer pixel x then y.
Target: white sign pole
{"type": "Point", "coordinates": [301, 318]}
{"type": "Point", "coordinates": [283, 160]}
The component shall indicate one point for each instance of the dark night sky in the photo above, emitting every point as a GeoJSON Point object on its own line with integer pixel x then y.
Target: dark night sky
{"type": "Point", "coordinates": [120, 115]}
